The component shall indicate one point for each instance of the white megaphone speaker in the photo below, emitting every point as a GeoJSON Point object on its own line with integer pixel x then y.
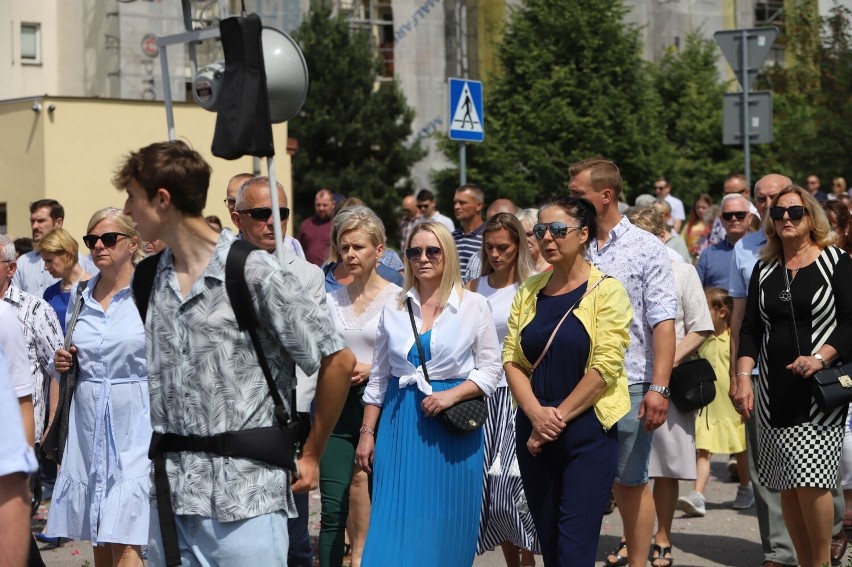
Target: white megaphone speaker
{"type": "Point", "coordinates": [286, 77]}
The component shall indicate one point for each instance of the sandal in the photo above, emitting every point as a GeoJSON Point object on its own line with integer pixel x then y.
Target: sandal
{"type": "Point", "coordinates": [621, 560]}
{"type": "Point", "coordinates": [661, 556]}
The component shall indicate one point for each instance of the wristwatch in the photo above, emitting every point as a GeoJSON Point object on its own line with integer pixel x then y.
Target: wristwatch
{"type": "Point", "coordinates": [821, 360]}
{"type": "Point", "coordinates": [662, 390]}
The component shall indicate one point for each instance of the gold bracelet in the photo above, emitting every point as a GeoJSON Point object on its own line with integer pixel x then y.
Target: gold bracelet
{"type": "Point", "coordinates": [368, 430]}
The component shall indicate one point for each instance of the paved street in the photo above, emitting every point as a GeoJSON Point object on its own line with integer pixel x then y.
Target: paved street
{"type": "Point", "coordinates": [723, 537]}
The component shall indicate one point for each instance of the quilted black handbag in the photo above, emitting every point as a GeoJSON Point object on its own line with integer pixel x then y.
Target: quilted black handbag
{"type": "Point", "coordinates": [467, 415]}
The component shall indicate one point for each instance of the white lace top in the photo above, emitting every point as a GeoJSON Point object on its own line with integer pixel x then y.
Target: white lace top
{"type": "Point", "coordinates": [359, 331]}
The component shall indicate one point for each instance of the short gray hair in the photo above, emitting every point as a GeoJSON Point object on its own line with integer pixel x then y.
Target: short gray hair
{"type": "Point", "coordinates": [7, 249]}
{"type": "Point", "coordinates": [733, 196]}
{"type": "Point", "coordinates": [527, 215]}
{"type": "Point", "coordinates": [260, 181]}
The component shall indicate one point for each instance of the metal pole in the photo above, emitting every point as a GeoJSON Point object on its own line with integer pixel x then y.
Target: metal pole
{"type": "Point", "coordinates": [167, 92]}
{"type": "Point", "coordinates": [276, 214]}
{"type": "Point", "coordinates": [746, 130]}
{"type": "Point", "coordinates": [462, 164]}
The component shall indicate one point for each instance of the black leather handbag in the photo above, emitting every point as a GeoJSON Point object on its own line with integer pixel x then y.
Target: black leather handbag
{"type": "Point", "coordinates": [832, 387]}
{"type": "Point", "coordinates": [464, 417]}
{"type": "Point", "coordinates": [692, 385]}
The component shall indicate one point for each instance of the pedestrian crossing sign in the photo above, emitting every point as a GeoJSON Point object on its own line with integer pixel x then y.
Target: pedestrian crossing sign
{"type": "Point", "coordinates": [466, 114]}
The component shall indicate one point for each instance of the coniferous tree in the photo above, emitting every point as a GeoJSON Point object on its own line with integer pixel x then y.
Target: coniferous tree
{"type": "Point", "coordinates": [353, 137]}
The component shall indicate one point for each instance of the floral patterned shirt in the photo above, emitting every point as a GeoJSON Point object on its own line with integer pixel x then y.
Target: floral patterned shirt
{"type": "Point", "coordinates": [204, 377]}
{"type": "Point", "coordinates": [640, 262]}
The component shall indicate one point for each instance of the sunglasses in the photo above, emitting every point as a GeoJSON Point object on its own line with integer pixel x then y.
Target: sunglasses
{"type": "Point", "coordinates": [263, 213]}
{"type": "Point", "coordinates": [230, 202]}
{"type": "Point", "coordinates": [424, 206]}
{"type": "Point", "coordinates": [557, 229]}
{"type": "Point", "coordinates": [433, 253]}
{"type": "Point", "coordinates": [795, 212]}
{"type": "Point", "coordinates": [740, 215]}
{"type": "Point", "coordinates": [108, 238]}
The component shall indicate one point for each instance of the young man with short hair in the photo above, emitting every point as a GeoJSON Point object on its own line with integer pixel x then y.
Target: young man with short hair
{"type": "Point", "coordinates": [203, 373]}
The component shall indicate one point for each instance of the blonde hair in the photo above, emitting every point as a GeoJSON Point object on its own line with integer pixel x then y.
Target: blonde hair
{"type": "Point", "coordinates": [125, 225]}
{"type": "Point", "coordinates": [648, 218]}
{"type": "Point", "coordinates": [357, 217]}
{"type": "Point", "coordinates": [524, 267]}
{"type": "Point", "coordinates": [59, 241]}
{"type": "Point", "coordinates": [820, 233]}
{"type": "Point", "coordinates": [450, 279]}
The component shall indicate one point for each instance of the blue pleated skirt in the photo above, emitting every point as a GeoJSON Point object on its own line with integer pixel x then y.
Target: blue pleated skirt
{"type": "Point", "coordinates": [427, 486]}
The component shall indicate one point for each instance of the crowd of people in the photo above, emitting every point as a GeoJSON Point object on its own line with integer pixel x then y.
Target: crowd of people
{"type": "Point", "coordinates": [503, 380]}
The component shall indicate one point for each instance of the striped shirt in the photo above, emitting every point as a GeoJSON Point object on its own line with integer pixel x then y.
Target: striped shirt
{"type": "Point", "coordinates": [468, 245]}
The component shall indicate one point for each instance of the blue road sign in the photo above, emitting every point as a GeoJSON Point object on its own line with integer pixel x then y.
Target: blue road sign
{"type": "Point", "coordinates": [467, 118]}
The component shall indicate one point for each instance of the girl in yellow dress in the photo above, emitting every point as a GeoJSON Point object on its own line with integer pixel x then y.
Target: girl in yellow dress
{"type": "Point", "coordinates": [719, 428]}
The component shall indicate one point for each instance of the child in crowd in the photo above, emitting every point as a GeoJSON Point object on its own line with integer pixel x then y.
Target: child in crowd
{"type": "Point", "coordinates": [719, 428]}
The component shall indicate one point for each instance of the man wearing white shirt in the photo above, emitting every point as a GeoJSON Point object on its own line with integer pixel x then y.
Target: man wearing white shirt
{"type": "Point", "coordinates": [664, 191]}
{"type": "Point", "coordinates": [429, 212]}
{"type": "Point", "coordinates": [31, 277]}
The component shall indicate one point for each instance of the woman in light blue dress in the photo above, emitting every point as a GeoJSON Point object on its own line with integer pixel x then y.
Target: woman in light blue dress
{"type": "Point", "coordinates": [427, 481]}
{"type": "Point", "coordinates": [101, 493]}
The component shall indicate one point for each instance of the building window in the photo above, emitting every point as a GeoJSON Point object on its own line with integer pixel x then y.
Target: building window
{"type": "Point", "coordinates": [31, 43]}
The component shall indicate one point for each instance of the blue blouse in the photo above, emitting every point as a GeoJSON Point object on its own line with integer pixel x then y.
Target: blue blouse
{"type": "Point", "coordinates": [59, 300]}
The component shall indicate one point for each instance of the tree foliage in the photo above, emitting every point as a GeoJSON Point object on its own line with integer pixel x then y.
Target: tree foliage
{"type": "Point", "coordinates": [812, 105]}
{"type": "Point", "coordinates": [352, 137]}
{"type": "Point", "coordinates": [572, 84]}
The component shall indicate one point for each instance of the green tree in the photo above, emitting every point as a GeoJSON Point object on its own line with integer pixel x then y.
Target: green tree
{"type": "Point", "coordinates": [812, 107]}
{"type": "Point", "coordinates": [572, 84]}
{"type": "Point", "coordinates": [352, 136]}
{"type": "Point", "coordinates": [689, 86]}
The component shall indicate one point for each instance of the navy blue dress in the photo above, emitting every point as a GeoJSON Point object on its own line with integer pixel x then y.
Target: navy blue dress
{"type": "Point", "coordinates": [568, 483]}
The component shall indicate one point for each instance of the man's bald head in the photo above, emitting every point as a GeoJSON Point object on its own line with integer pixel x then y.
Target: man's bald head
{"type": "Point", "coordinates": [501, 206]}
{"type": "Point", "coordinates": [766, 188]}
{"type": "Point", "coordinates": [233, 186]}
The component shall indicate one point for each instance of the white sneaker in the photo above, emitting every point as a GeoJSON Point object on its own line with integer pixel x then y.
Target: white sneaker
{"type": "Point", "coordinates": [744, 499]}
{"type": "Point", "coordinates": [693, 504]}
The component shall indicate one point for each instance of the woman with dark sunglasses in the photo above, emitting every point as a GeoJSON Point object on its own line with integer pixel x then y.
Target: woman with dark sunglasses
{"type": "Point", "coordinates": [427, 480]}
{"type": "Point", "coordinates": [564, 362]}
{"type": "Point", "coordinates": [101, 493]}
{"type": "Point", "coordinates": [798, 320]}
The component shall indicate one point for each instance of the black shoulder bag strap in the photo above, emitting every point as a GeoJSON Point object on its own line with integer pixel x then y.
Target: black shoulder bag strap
{"type": "Point", "coordinates": [240, 297]}
{"type": "Point", "coordinates": [143, 282]}
{"type": "Point", "coordinates": [417, 339]}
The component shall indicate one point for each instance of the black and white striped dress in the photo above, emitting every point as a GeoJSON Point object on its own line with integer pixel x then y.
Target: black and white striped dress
{"type": "Point", "coordinates": [799, 444]}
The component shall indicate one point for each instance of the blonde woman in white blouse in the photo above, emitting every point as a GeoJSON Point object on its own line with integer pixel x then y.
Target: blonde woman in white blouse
{"type": "Point", "coordinates": [427, 481]}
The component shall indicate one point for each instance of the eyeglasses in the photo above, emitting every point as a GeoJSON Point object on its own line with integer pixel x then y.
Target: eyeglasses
{"type": "Point", "coordinates": [557, 229]}
{"type": "Point", "coordinates": [108, 238]}
{"type": "Point", "coordinates": [433, 253]}
{"type": "Point", "coordinates": [263, 213]}
{"type": "Point", "coordinates": [740, 215]}
{"type": "Point", "coordinates": [423, 206]}
{"type": "Point", "coordinates": [795, 212]}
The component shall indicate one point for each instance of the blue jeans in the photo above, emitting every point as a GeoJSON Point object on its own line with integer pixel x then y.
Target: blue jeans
{"type": "Point", "coordinates": [205, 542]}
{"type": "Point", "coordinates": [634, 443]}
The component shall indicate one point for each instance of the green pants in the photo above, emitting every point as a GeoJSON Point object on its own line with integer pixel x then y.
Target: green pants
{"type": "Point", "coordinates": [336, 469]}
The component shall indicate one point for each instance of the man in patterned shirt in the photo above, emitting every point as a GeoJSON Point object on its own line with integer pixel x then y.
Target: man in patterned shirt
{"type": "Point", "coordinates": [467, 207]}
{"type": "Point", "coordinates": [640, 262]}
{"type": "Point", "coordinates": [203, 374]}
{"type": "Point", "coordinates": [42, 333]}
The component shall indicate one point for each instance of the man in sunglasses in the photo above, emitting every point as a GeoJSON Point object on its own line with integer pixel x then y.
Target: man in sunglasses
{"type": "Point", "coordinates": [205, 378]}
{"type": "Point", "coordinates": [428, 210]}
{"type": "Point", "coordinates": [777, 547]}
{"type": "Point", "coordinates": [640, 262]}
{"type": "Point", "coordinates": [253, 217]}
{"type": "Point", "coordinates": [735, 184]}
{"type": "Point", "coordinates": [714, 265]}
{"type": "Point", "coordinates": [664, 192]}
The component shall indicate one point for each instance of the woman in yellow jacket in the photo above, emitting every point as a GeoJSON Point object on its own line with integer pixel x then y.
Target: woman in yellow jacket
{"type": "Point", "coordinates": [572, 324]}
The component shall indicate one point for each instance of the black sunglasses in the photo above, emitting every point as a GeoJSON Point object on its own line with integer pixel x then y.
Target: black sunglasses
{"type": "Point", "coordinates": [795, 212]}
{"type": "Point", "coordinates": [263, 213]}
{"type": "Point", "coordinates": [433, 253]}
{"type": "Point", "coordinates": [108, 238]}
{"type": "Point", "coordinates": [740, 215]}
{"type": "Point", "coordinates": [557, 229]}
